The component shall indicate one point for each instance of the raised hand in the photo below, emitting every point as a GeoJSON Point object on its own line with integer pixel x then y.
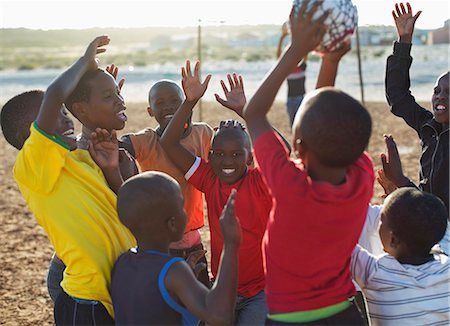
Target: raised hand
{"type": "Point", "coordinates": [94, 48]}
{"type": "Point", "coordinates": [193, 259]}
{"type": "Point", "coordinates": [235, 97]}
{"type": "Point", "coordinates": [104, 148]}
{"type": "Point", "coordinates": [336, 55]}
{"type": "Point", "coordinates": [404, 21]}
{"type": "Point", "coordinates": [306, 33]}
{"type": "Point", "coordinates": [113, 71]}
{"type": "Point", "coordinates": [387, 185]}
{"type": "Point", "coordinates": [231, 229]}
{"type": "Point", "coordinates": [392, 165]}
{"type": "Point", "coordinates": [192, 86]}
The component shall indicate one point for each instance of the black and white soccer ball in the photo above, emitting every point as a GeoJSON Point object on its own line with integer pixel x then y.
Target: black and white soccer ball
{"type": "Point", "coordinates": [342, 21]}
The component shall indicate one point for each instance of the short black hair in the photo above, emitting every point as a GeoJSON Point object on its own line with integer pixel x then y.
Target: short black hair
{"type": "Point", "coordinates": [334, 126]}
{"type": "Point", "coordinates": [82, 91]}
{"type": "Point", "coordinates": [165, 82]}
{"type": "Point", "coordinates": [144, 197]}
{"type": "Point", "coordinates": [231, 125]}
{"type": "Point", "coordinates": [18, 114]}
{"type": "Point", "coordinates": [418, 218]}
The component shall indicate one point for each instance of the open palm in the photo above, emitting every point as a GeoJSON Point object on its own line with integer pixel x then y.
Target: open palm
{"type": "Point", "coordinates": [192, 86]}
{"type": "Point", "coordinates": [404, 20]}
{"type": "Point", "coordinates": [234, 97]}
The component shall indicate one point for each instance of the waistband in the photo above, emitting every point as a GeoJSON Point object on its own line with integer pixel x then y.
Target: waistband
{"type": "Point", "coordinates": [83, 301]}
{"type": "Point", "coordinates": [311, 315]}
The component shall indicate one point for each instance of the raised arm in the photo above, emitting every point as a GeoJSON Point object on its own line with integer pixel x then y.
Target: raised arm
{"type": "Point", "coordinates": [284, 33]}
{"type": "Point", "coordinates": [306, 35]}
{"type": "Point", "coordinates": [60, 89]}
{"type": "Point", "coordinates": [329, 65]}
{"type": "Point", "coordinates": [170, 139]}
{"type": "Point", "coordinates": [215, 307]}
{"type": "Point", "coordinates": [404, 21]}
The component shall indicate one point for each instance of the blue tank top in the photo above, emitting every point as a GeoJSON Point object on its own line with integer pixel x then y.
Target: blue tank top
{"type": "Point", "coordinates": [139, 294]}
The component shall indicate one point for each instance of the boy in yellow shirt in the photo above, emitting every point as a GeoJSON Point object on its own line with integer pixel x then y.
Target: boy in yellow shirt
{"type": "Point", "coordinates": [71, 191]}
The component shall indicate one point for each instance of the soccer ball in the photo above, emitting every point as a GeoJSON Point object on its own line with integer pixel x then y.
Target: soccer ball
{"type": "Point", "coordinates": [341, 22]}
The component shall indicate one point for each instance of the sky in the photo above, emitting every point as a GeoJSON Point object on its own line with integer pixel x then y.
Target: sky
{"type": "Point", "coordinates": [103, 13]}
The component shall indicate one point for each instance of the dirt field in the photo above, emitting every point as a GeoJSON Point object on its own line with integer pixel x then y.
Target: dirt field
{"type": "Point", "coordinates": [25, 250]}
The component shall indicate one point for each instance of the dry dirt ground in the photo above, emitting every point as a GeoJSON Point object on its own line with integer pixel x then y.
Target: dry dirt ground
{"type": "Point", "coordinates": [25, 250]}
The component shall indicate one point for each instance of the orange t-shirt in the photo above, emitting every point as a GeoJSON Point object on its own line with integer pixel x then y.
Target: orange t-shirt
{"type": "Point", "coordinates": [151, 157]}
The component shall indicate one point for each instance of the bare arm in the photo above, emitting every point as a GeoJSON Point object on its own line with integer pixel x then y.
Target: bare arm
{"type": "Point", "coordinates": [216, 306]}
{"type": "Point", "coordinates": [284, 33]}
{"type": "Point", "coordinates": [60, 89]}
{"type": "Point", "coordinates": [170, 139]}
{"type": "Point", "coordinates": [306, 35]}
{"type": "Point", "coordinates": [329, 66]}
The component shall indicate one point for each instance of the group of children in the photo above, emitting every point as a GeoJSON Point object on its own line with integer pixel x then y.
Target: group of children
{"type": "Point", "coordinates": [289, 236]}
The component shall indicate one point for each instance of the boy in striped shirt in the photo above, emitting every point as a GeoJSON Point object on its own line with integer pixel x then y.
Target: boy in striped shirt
{"type": "Point", "coordinates": [408, 285]}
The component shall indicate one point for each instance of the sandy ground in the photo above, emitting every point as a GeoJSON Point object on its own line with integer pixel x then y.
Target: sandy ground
{"type": "Point", "coordinates": [26, 251]}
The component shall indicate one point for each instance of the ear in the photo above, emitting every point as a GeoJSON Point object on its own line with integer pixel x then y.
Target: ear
{"type": "Point", "coordinates": [171, 224]}
{"type": "Point", "coordinates": [394, 241]}
{"type": "Point", "coordinates": [150, 112]}
{"type": "Point", "coordinates": [250, 158]}
{"type": "Point", "coordinates": [79, 110]}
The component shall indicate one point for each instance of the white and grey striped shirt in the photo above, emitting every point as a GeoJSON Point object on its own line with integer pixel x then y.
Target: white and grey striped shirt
{"type": "Point", "coordinates": [402, 294]}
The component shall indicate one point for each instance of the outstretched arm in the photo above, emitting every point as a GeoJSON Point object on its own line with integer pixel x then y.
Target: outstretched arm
{"type": "Point", "coordinates": [170, 139]}
{"type": "Point", "coordinates": [60, 89]}
{"type": "Point", "coordinates": [306, 35]}
{"type": "Point", "coordinates": [216, 306]}
{"type": "Point", "coordinates": [284, 33]}
{"type": "Point", "coordinates": [329, 66]}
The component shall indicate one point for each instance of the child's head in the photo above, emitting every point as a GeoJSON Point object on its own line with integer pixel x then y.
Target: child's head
{"type": "Point", "coordinates": [412, 222]}
{"type": "Point", "coordinates": [96, 101]}
{"type": "Point", "coordinates": [331, 127]}
{"type": "Point", "coordinates": [19, 113]}
{"type": "Point", "coordinates": [440, 100]}
{"type": "Point", "coordinates": [150, 204]}
{"type": "Point", "coordinates": [164, 99]}
{"type": "Point", "coordinates": [230, 152]}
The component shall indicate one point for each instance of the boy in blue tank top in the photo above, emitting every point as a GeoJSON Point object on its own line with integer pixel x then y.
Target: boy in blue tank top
{"type": "Point", "coordinates": [150, 287]}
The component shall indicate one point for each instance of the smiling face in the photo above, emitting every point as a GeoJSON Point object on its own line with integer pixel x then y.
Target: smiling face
{"type": "Point", "coordinates": [440, 99]}
{"type": "Point", "coordinates": [230, 154]}
{"type": "Point", "coordinates": [165, 98]}
{"type": "Point", "coordinates": [105, 107]}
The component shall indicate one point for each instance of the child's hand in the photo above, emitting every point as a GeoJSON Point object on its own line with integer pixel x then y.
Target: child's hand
{"type": "Point", "coordinates": [94, 48]}
{"type": "Point", "coordinates": [113, 71]}
{"type": "Point", "coordinates": [192, 86]}
{"type": "Point", "coordinates": [336, 55]}
{"type": "Point", "coordinates": [104, 148]}
{"type": "Point", "coordinates": [306, 33]}
{"type": "Point", "coordinates": [392, 165]}
{"type": "Point", "coordinates": [404, 21]}
{"type": "Point", "coordinates": [388, 185]}
{"type": "Point", "coordinates": [193, 259]}
{"type": "Point", "coordinates": [235, 97]}
{"type": "Point", "coordinates": [231, 229]}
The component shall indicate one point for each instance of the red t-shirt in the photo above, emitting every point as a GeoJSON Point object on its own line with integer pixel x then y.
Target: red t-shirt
{"type": "Point", "coordinates": [312, 230]}
{"type": "Point", "coordinates": [252, 207]}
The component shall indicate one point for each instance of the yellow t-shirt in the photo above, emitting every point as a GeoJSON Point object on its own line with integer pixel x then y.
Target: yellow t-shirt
{"type": "Point", "coordinates": [151, 157]}
{"type": "Point", "coordinates": [71, 200]}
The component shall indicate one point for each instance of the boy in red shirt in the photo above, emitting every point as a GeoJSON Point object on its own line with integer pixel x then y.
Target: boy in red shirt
{"type": "Point", "coordinates": [319, 201]}
{"type": "Point", "coordinates": [227, 169]}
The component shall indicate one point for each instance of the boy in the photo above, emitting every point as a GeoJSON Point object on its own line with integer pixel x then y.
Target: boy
{"type": "Point", "coordinates": [408, 285]}
{"type": "Point", "coordinates": [165, 97]}
{"type": "Point", "coordinates": [227, 169]}
{"type": "Point", "coordinates": [431, 127]}
{"type": "Point", "coordinates": [317, 199]}
{"type": "Point", "coordinates": [148, 286]}
{"type": "Point", "coordinates": [70, 196]}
